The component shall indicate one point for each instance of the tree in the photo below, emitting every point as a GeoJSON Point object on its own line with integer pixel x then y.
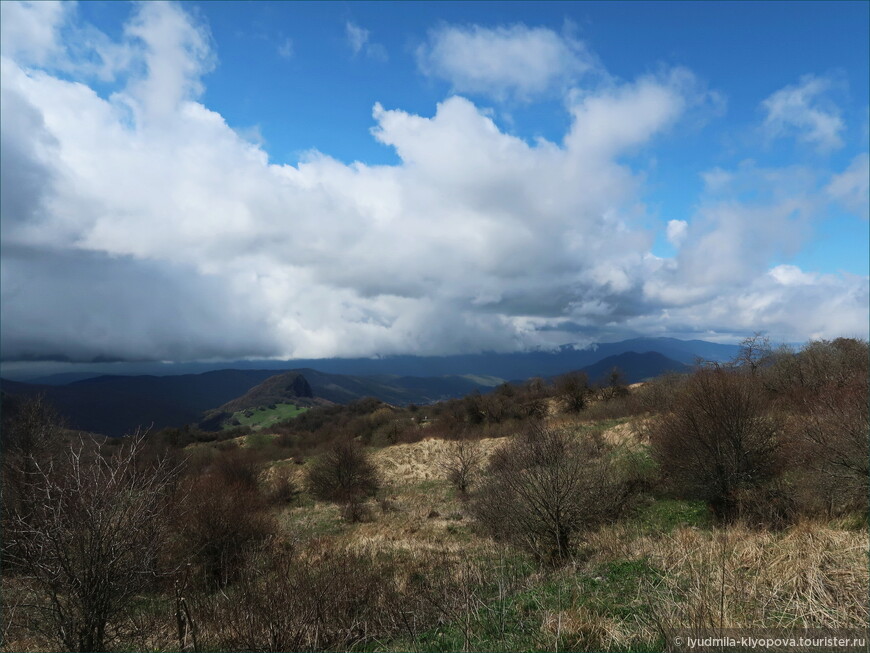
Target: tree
{"type": "Point", "coordinates": [755, 352]}
{"type": "Point", "coordinates": [615, 385]}
{"type": "Point", "coordinates": [91, 540]}
{"type": "Point", "coordinates": [546, 486]}
{"type": "Point", "coordinates": [30, 431]}
{"type": "Point", "coordinates": [718, 440]}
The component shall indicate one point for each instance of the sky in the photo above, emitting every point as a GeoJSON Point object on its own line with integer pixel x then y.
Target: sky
{"type": "Point", "coordinates": [223, 180]}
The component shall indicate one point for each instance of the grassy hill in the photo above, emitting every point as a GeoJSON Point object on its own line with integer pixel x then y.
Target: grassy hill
{"type": "Point", "coordinates": [264, 416]}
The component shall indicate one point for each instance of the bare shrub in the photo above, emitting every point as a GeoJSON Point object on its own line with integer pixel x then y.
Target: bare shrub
{"type": "Point", "coordinates": [615, 386]}
{"type": "Point", "coordinates": [835, 433]}
{"type": "Point", "coordinates": [30, 431]}
{"type": "Point", "coordinates": [718, 439]}
{"type": "Point", "coordinates": [343, 474]}
{"type": "Point", "coordinates": [573, 388]}
{"type": "Point", "coordinates": [282, 490]}
{"type": "Point", "coordinates": [220, 524]}
{"type": "Point", "coordinates": [547, 486]}
{"type": "Point", "coordinates": [312, 600]}
{"type": "Point", "coordinates": [91, 541]}
{"type": "Point", "coordinates": [462, 464]}
{"type": "Point", "coordinates": [661, 393]}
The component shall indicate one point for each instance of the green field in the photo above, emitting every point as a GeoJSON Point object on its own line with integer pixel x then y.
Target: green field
{"type": "Point", "coordinates": [262, 417]}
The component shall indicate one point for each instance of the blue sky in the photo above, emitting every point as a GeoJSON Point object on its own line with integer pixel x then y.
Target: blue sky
{"type": "Point", "coordinates": [211, 180]}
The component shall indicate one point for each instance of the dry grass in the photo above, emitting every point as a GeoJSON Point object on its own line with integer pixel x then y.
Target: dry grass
{"type": "Point", "coordinates": [810, 576]}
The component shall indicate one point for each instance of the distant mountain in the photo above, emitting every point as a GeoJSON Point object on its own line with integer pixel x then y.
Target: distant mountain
{"type": "Point", "coordinates": [290, 387]}
{"type": "Point", "coordinates": [116, 405]}
{"type": "Point", "coordinates": [518, 365]}
{"type": "Point", "coordinates": [634, 367]}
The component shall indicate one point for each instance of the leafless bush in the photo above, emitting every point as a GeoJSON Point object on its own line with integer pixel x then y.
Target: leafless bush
{"type": "Point", "coordinates": [314, 600]}
{"type": "Point", "coordinates": [30, 433]}
{"type": "Point", "coordinates": [219, 524]}
{"type": "Point", "coordinates": [660, 394]}
{"type": "Point", "coordinates": [462, 464]}
{"type": "Point", "coordinates": [573, 388]}
{"type": "Point", "coordinates": [343, 474]}
{"type": "Point", "coordinates": [90, 541]}
{"type": "Point", "coordinates": [835, 433]}
{"type": "Point", "coordinates": [718, 439]}
{"type": "Point", "coordinates": [282, 489]}
{"type": "Point", "coordinates": [546, 486]}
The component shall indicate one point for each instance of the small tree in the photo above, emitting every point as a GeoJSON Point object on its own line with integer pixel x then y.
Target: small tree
{"type": "Point", "coordinates": [91, 540]}
{"type": "Point", "coordinates": [615, 386]}
{"type": "Point", "coordinates": [462, 464]}
{"type": "Point", "coordinates": [546, 486]}
{"type": "Point", "coordinates": [755, 353]}
{"type": "Point", "coordinates": [344, 474]}
{"type": "Point", "coordinates": [718, 440]}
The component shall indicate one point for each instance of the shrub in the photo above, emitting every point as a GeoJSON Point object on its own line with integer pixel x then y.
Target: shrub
{"type": "Point", "coordinates": [719, 439]}
{"type": "Point", "coordinates": [462, 464]}
{"type": "Point", "coordinates": [834, 431]}
{"type": "Point", "coordinates": [343, 474]}
{"type": "Point", "coordinates": [220, 523]}
{"type": "Point", "coordinates": [574, 390]}
{"type": "Point", "coordinates": [91, 541]}
{"type": "Point", "coordinates": [546, 486]}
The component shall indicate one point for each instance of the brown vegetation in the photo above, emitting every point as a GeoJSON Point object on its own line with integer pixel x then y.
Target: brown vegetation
{"type": "Point", "coordinates": [242, 547]}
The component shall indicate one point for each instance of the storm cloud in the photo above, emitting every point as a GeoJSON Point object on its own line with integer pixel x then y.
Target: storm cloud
{"type": "Point", "coordinates": [139, 225]}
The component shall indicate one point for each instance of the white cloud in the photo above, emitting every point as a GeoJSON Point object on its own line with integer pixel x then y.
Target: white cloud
{"type": "Point", "coordinates": [509, 61]}
{"type": "Point", "coordinates": [142, 226]}
{"type": "Point", "coordinates": [851, 188]}
{"type": "Point", "coordinates": [676, 231]}
{"type": "Point", "coordinates": [805, 111]}
{"type": "Point", "coordinates": [360, 43]}
{"type": "Point", "coordinates": [29, 30]}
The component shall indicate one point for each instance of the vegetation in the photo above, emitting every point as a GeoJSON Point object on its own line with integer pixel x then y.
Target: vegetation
{"type": "Point", "coordinates": [734, 496]}
{"type": "Point", "coordinates": [264, 416]}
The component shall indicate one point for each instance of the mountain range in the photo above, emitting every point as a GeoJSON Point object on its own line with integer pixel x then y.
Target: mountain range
{"type": "Point", "coordinates": [117, 404]}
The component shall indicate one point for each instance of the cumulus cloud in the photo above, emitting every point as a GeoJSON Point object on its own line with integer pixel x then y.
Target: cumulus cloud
{"type": "Point", "coordinates": [29, 31]}
{"type": "Point", "coordinates": [510, 61]}
{"type": "Point", "coordinates": [676, 231]}
{"type": "Point", "coordinates": [140, 225]}
{"type": "Point", "coordinates": [803, 110]}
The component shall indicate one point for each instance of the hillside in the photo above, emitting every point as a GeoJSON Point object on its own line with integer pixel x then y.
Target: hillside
{"type": "Point", "coordinates": [634, 367]}
{"type": "Point", "coordinates": [116, 405]}
{"type": "Point", "coordinates": [290, 387]}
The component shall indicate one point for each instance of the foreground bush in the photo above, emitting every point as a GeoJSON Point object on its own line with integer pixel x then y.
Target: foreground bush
{"type": "Point", "coordinates": [89, 541]}
{"type": "Point", "coordinates": [719, 440]}
{"type": "Point", "coordinates": [548, 485]}
{"type": "Point", "coordinates": [343, 474]}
